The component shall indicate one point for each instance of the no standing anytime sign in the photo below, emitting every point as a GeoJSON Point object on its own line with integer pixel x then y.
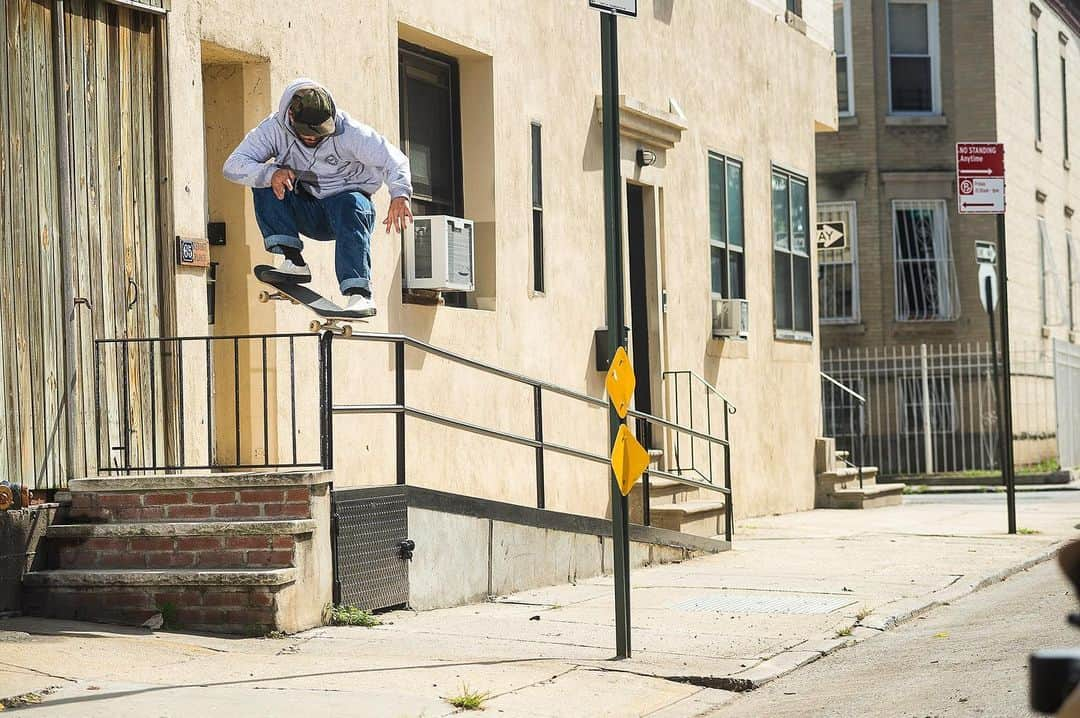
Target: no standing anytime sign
{"type": "Point", "coordinates": [980, 177]}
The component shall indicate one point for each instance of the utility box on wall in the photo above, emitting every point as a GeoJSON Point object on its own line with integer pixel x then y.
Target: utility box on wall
{"type": "Point", "coordinates": [440, 254]}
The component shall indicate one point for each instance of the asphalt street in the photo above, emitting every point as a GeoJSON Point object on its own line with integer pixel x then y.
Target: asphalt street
{"type": "Point", "coordinates": [965, 659]}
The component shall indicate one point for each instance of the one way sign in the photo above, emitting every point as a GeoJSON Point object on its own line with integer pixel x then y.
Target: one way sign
{"type": "Point", "coordinates": [831, 235]}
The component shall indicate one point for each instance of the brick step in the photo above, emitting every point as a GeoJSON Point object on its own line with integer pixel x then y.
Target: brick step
{"type": "Point", "coordinates": [191, 498]}
{"type": "Point", "coordinates": [701, 518]}
{"type": "Point", "coordinates": [869, 497]}
{"type": "Point", "coordinates": [204, 545]}
{"type": "Point", "coordinates": [234, 601]}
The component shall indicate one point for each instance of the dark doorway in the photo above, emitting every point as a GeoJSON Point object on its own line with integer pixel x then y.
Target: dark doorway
{"type": "Point", "coordinates": [639, 296]}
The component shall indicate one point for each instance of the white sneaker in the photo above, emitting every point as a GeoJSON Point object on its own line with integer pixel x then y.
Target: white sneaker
{"type": "Point", "coordinates": [293, 273]}
{"type": "Point", "coordinates": [360, 304]}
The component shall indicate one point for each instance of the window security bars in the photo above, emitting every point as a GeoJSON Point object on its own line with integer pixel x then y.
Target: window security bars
{"type": "Point", "coordinates": [1054, 286]}
{"type": "Point", "coordinates": [926, 287]}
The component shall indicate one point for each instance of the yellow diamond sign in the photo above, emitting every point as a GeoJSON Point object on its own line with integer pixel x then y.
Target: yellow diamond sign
{"type": "Point", "coordinates": [620, 382]}
{"type": "Point", "coordinates": [629, 459]}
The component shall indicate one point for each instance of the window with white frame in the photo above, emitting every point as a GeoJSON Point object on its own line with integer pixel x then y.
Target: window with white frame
{"type": "Point", "coordinates": [838, 267]}
{"type": "Point", "coordinates": [1038, 92]}
{"type": "Point", "coordinates": [726, 244]}
{"type": "Point", "coordinates": [845, 82]}
{"type": "Point", "coordinates": [914, 57]}
{"type": "Point", "coordinates": [941, 401]}
{"type": "Point", "coordinates": [792, 301]}
{"type": "Point", "coordinates": [925, 277]}
{"type": "Point", "coordinates": [1054, 286]}
{"type": "Point", "coordinates": [1073, 245]}
{"type": "Point", "coordinates": [844, 415]}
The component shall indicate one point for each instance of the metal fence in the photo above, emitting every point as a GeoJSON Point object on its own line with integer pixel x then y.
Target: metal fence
{"type": "Point", "coordinates": [932, 408]}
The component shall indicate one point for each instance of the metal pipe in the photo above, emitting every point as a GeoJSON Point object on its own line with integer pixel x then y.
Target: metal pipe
{"type": "Point", "coordinates": [399, 397]}
{"type": "Point", "coordinates": [538, 420]}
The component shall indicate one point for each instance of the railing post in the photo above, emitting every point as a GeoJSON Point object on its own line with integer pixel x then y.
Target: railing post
{"type": "Point", "coordinates": [97, 405]}
{"type": "Point", "coordinates": [399, 398]}
{"type": "Point", "coordinates": [326, 399]}
{"type": "Point", "coordinates": [729, 509]}
{"type": "Point", "coordinates": [928, 446]}
{"type": "Point", "coordinates": [538, 412]}
{"type": "Point", "coordinates": [859, 459]}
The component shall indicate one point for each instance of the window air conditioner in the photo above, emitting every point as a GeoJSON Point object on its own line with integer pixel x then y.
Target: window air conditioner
{"type": "Point", "coordinates": [439, 254]}
{"type": "Point", "coordinates": [730, 317]}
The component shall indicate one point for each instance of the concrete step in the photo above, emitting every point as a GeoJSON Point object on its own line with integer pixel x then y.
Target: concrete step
{"type": "Point", "coordinates": [870, 497]}
{"type": "Point", "coordinates": [847, 477]}
{"type": "Point", "coordinates": [701, 518]}
{"type": "Point", "coordinates": [203, 545]}
{"type": "Point", "coordinates": [235, 601]}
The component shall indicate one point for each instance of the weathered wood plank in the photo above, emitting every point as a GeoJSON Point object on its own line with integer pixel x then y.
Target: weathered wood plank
{"type": "Point", "coordinates": [25, 178]}
{"type": "Point", "coordinates": [8, 413]}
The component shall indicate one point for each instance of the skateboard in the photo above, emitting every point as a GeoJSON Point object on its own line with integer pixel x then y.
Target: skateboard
{"type": "Point", "coordinates": [333, 318]}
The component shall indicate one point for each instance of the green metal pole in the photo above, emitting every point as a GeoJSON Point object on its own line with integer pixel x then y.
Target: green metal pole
{"type": "Point", "coordinates": [1009, 469]}
{"type": "Point", "coordinates": [609, 57]}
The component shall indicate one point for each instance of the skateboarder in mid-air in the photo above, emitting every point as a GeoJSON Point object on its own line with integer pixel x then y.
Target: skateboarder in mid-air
{"type": "Point", "coordinates": [312, 170]}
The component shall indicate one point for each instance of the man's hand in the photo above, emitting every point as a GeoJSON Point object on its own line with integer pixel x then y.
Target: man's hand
{"type": "Point", "coordinates": [399, 215]}
{"type": "Point", "coordinates": [281, 181]}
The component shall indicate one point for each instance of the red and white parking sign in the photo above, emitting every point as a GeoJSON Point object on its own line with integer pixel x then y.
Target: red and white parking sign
{"type": "Point", "coordinates": [980, 177]}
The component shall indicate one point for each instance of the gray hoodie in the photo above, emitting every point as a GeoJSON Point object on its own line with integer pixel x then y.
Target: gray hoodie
{"type": "Point", "coordinates": [355, 157]}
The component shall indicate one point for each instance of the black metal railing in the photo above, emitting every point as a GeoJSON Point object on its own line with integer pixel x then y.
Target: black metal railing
{"type": "Point", "coordinates": [844, 420]}
{"type": "Point", "coordinates": [135, 440]}
{"type": "Point", "coordinates": [145, 410]}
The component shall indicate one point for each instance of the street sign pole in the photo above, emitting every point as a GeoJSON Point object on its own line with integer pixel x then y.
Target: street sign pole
{"type": "Point", "coordinates": [609, 57]}
{"type": "Point", "coordinates": [1008, 471]}
{"type": "Point", "coordinates": [1003, 451]}
{"type": "Point", "coordinates": [980, 189]}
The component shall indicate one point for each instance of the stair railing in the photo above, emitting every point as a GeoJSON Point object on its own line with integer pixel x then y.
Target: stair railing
{"type": "Point", "coordinates": [859, 419]}
{"type": "Point", "coordinates": [681, 405]}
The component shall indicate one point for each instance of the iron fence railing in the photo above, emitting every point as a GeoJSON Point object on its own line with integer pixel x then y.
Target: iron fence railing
{"type": "Point", "coordinates": [931, 408]}
{"type": "Point", "coordinates": [249, 398]}
{"type": "Point", "coordinates": [151, 394]}
{"type": "Point", "coordinates": [845, 417]}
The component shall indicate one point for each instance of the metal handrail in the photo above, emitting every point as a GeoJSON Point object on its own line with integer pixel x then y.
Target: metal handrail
{"type": "Point", "coordinates": [862, 402]}
{"type": "Point", "coordinates": [401, 410]}
{"type": "Point", "coordinates": [705, 382]}
{"type": "Point", "coordinates": [842, 387]}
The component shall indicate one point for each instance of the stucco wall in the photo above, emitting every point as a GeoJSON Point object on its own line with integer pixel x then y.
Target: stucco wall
{"type": "Point", "coordinates": [750, 86]}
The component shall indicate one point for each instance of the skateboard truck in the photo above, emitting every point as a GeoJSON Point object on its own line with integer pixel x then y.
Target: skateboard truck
{"type": "Point", "coordinates": [265, 296]}
{"type": "Point", "coordinates": [340, 327]}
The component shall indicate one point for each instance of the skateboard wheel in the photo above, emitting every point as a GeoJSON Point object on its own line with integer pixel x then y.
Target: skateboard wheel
{"type": "Point", "coordinates": [264, 297]}
{"type": "Point", "coordinates": [346, 331]}
{"type": "Point", "coordinates": [315, 326]}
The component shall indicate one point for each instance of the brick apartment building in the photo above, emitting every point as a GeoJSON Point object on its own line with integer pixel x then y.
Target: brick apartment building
{"type": "Point", "coordinates": [914, 77]}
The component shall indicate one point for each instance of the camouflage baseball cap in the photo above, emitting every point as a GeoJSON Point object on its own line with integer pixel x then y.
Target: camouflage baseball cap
{"type": "Point", "coordinates": [313, 112]}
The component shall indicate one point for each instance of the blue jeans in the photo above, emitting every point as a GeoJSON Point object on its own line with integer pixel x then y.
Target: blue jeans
{"type": "Point", "coordinates": [346, 219]}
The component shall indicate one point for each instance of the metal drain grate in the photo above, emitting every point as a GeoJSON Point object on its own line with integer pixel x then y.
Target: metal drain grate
{"type": "Point", "coordinates": [763, 602]}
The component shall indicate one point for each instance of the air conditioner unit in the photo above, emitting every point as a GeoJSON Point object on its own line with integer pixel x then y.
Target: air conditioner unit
{"type": "Point", "coordinates": [439, 254]}
{"type": "Point", "coordinates": [730, 318]}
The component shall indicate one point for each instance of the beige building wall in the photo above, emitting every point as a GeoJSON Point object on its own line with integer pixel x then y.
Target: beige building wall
{"type": "Point", "coordinates": [747, 82]}
{"type": "Point", "coordinates": [1041, 182]}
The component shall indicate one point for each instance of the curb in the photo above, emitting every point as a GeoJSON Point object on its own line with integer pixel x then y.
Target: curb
{"type": "Point", "coordinates": [926, 489]}
{"type": "Point", "coordinates": [788, 661]}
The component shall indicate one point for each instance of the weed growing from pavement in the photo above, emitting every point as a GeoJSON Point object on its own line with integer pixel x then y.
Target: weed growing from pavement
{"type": "Point", "coordinates": [843, 632]}
{"type": "Point", "coordinates": [863, 613]}
{"type": "Point", "coordinates": [468, 700]}
{"type": "Point", "coordinates": [168, 615]}
{"type": "Point", "coordinates": [1028, 532]}
{"type": "Point", "coordinates": [352, 616]}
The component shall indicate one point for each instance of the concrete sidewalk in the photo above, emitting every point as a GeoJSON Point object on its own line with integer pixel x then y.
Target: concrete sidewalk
{"type": "Point", "coordinates": [784, 596]}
